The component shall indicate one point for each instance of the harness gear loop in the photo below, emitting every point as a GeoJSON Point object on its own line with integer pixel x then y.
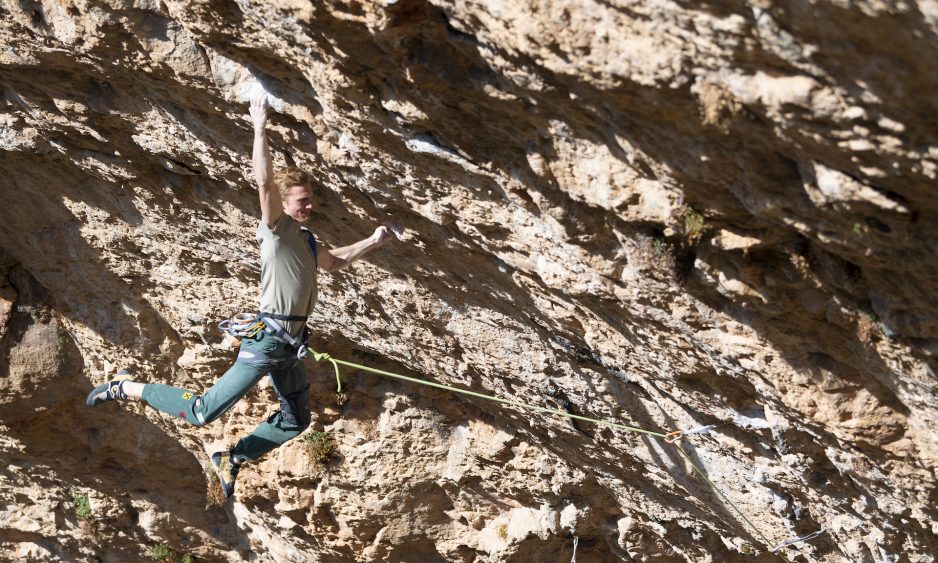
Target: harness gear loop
{"type": "Point", "coordinates": [242, 325]}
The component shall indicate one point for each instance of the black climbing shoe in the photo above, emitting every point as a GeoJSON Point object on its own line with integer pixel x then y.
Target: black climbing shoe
{"type": "Point", "coordinates": [227, 471]}
{"type": "Point", "coordinates": [108, 391]}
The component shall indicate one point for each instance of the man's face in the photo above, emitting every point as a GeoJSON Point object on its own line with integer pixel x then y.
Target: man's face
{"type": "Point", "coordinates": [298, 203]}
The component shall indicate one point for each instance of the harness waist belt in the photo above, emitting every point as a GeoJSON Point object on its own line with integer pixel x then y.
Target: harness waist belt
{"type": "Point", "coordinates": [275, 329]}
{"type": "Point", "coordinates": [277, 317]}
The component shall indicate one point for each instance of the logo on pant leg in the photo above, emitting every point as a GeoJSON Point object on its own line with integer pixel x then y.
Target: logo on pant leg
{"type": "Point", "coordinates": [186, 396]}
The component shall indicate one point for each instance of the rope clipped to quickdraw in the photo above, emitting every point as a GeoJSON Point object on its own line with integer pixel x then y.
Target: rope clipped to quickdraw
{"type": "Point", "coordinates": [321, 356]}
{"type": "Point", "coordinates": [808, 537]}
{"type": "Point", "coordinates": [670, 437]}
{"type": "Point", "coordinates": [673, 437]}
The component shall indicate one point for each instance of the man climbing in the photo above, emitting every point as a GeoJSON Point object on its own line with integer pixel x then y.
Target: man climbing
{"type": "Point", "coordinates": [289, 258]}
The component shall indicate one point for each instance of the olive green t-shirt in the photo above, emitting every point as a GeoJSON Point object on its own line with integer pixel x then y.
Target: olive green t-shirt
{"type": "Point", "coordinates": [288, 272]}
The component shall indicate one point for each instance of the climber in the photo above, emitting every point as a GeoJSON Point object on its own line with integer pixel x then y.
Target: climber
{"type": "Point", "coordinates": [289, 258]}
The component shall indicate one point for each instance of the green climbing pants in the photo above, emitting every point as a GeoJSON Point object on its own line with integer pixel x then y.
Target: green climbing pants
{"type": "Point", "coordinates": [258, 355]}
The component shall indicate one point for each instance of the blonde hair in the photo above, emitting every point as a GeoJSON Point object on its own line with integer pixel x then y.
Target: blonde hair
{"type": "Point", "coordinates": [291, 176]}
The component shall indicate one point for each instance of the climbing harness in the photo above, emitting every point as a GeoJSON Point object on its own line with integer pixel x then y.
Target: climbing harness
{"type": "Point", "coordinates": [247, 325]}
{"type": "Point", "coordinates": [273, 327]}
{"type": "Point", "coordinates": [808, 537]}
{"type": "Point", "coordinates": [670, 437]}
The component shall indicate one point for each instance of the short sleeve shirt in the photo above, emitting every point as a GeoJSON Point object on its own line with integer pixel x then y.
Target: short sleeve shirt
{"type": "Point", "coordinates": [288, 272]}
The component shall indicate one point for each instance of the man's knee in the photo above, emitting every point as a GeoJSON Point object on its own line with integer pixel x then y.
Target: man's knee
{"type": "Point", "coordinates": [294, 409]}
{"type": "Point", "coordinates": [201, 416]}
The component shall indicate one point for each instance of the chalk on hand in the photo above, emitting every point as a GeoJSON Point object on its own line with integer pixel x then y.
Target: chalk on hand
{"type": "Point", "coordinates": [257, 90]}
{"type": "Point", "coordinates": [253, 89]}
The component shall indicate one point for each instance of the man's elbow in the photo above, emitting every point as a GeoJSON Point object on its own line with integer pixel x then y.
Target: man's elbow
{"type": "Point", "coordinates": [329, 262]}
{"type": "Point", "coordinates": [339, 263]}
{"type": "Point", "coordinates": [336, 265]}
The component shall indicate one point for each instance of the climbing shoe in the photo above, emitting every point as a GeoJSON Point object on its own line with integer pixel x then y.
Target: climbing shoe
{"type": "Point", "coordinates": [108, 391]}
{"type": "Point", "coordinates": [227, 471]}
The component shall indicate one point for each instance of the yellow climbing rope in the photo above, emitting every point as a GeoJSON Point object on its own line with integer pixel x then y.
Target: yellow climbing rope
{"type": "Point", "coordinates": [319, 357]}
{"type": "Point", "coordinates": [669, 438]}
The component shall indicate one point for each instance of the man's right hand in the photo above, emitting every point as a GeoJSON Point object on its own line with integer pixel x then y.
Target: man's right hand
{"type": "Point", "coordinates": [259, 110]}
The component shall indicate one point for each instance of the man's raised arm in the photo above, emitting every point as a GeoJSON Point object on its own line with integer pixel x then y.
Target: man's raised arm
{"type": "Point", "coordinates": [271, 204]}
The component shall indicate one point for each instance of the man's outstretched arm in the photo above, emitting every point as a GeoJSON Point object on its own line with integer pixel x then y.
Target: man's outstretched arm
{"type": "Point", "coordinates": [271, 204]}
{"type": "Point", "coordinates": [336, 259]}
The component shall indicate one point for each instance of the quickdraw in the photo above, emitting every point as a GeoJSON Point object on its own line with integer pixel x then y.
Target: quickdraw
{"type": "Point", "coordinates": [242, 325]}
{"type": "Point", "coordinates": [672, 437]}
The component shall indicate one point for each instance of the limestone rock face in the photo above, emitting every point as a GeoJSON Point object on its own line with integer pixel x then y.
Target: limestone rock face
{"type": "Point", "coordinates": [664, 214]}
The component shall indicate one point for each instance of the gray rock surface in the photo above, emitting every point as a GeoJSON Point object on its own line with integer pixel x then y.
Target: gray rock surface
{"type": "Point", "coordinates": [666, 214]}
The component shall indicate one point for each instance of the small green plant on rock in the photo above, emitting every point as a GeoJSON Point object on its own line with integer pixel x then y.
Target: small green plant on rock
{"type": "Point", "coordinates": [502, 532]}
{"type": "Point", "coordinates": [321, 446]}
{"type": "Point", "coordinates": [160, 552]}
{"type": "Point", "coordinates": [652, 252]}
{"type": "Point", "coordinates": [82, 507]}
{"type": "Point", "coordinates": [694, 224]}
